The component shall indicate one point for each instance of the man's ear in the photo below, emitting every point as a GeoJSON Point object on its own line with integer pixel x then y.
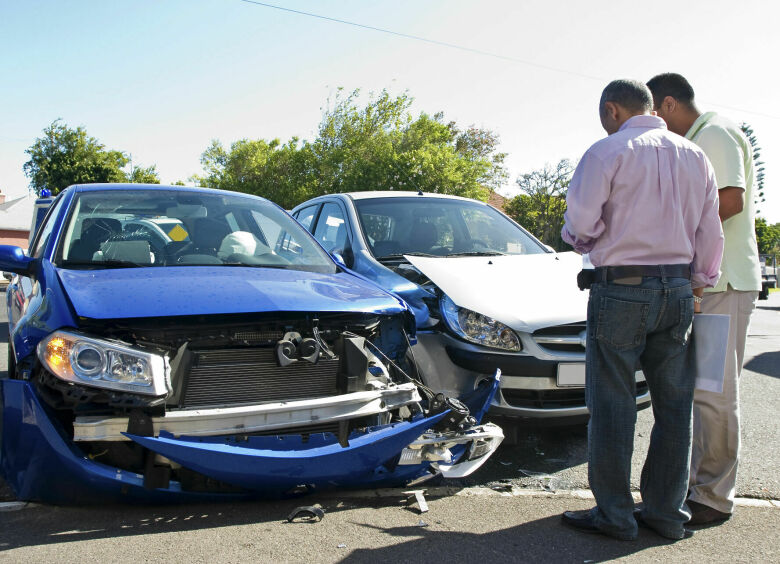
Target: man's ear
{"type": "Point", "coordinates": [611, 109]}
{"type": "Point", "coordinates": [669, 104]}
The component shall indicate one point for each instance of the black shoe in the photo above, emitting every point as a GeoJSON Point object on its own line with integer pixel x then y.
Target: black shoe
{"type": "Point", "coordinates": [584, 522]}
{"type": "Point", "coordinates": [704, 514]}
{"type": "Point", "coordinates": [687, 533]}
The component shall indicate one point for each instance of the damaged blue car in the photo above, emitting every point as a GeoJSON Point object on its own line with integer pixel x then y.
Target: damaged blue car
{"type": "Point", "coordinates": [171, 344]}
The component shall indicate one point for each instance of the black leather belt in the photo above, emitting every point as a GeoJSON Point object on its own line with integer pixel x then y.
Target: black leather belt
{"type": "Point", "coordinates": [608, 273]}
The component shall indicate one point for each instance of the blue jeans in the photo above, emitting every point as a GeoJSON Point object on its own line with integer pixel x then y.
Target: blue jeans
{"type": "Point", "coordinates": [647, 325]}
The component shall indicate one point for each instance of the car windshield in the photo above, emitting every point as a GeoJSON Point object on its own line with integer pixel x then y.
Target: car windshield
{"type": "Point", "coordinates": [440, 227]}
{"type": "Point", "coordinates": [130, 228]}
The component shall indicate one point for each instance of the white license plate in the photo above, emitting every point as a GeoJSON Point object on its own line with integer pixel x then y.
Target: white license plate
{"type": "Point", "coordinates": [571, 374]}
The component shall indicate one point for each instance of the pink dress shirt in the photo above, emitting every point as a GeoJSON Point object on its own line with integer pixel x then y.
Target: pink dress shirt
{"type": "Point", "coordinates": [645, 195]}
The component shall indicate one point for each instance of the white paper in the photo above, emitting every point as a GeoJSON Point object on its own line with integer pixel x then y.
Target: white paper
{"type": "Point", "coordinates": [710, 340]}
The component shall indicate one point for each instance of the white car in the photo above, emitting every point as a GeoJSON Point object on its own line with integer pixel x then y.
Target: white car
{"type": "Point", "coordinates": [486, 294]}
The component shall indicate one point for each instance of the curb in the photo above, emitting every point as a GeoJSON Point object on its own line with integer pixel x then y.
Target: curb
{"type": "Point", "coordinates": [508, 491]}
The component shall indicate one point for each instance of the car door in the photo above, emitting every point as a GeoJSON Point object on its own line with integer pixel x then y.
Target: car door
{"type": "Point", "coordinates": [332, 232]}
{"type": "Point", "coordinates": [21, 292]}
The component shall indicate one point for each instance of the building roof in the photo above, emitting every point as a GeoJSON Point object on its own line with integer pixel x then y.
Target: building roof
{"type": "Point", "coordinates": [17, 214]}
{"type": "Point", "coordinates": [497, 200]}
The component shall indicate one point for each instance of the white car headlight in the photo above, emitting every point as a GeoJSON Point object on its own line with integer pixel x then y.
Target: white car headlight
{"type": "Point", "coordinates": [479, 328]}
{"type": "Point", "coordinates": [102, 364]}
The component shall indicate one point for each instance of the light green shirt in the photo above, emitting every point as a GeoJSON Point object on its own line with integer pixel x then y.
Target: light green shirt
{"type": "Point", "coordinates": [731, 156]}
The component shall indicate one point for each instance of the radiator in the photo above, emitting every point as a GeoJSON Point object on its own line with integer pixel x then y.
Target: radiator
{"type": "Point", "coordinates": [252, 376]}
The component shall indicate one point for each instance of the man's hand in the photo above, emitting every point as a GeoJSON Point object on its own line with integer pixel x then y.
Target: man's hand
{"type": "Point", "coordinates": [732, 201]}
{"type": "Point", "coordinates": [697, 294]}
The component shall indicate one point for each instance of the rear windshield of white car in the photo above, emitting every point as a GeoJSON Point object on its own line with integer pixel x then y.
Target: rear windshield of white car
{"type": "Point", "coordinates": [118, 228]}
{"type": "Point", "coordinates": [440, 227]}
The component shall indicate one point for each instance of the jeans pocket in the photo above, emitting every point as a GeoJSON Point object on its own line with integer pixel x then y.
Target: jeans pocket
{"type": "Point", "coordinates": [622, 324]}
{"type": "Point", "coordinates": [682, 331]}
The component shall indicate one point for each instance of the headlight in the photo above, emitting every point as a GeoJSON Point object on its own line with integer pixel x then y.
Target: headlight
{"type": "Point", "coordinates": [102, 364]}
{"type": "Point", "coordinates": [479, 328]}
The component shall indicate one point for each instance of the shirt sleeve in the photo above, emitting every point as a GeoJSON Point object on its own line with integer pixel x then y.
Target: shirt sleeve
{"type": "Point", "coordinates": [589, 190]}
{"type": "Point", "coordinates": [725, 154]}
{"type": "Point", "coordinates": [708, 244]}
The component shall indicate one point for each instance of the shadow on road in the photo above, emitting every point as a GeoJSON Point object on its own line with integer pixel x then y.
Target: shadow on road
{"type": "Point", "coordinates": [765, 363]}
{"type": "Point", "coordinates": [61, 524]}
{"type": "Point", "coordinates": [526, 542]}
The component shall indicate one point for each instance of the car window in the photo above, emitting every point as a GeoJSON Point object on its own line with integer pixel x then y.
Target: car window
{"type": "Point", "coordinates": [126, 228]}
{"type": "Point", "coordinates": [39, 246]}
{"type": "Point", "coordinates": [440, 227]}
{"type": "Point", "coordinates": [306, 215]}
{"type": "Point", "coordinates": [331, 230]}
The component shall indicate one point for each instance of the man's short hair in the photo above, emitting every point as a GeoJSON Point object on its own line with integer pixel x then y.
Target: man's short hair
{"type": "Point", "coordinates": [631, 94]}
{"type": "Point", "coordinates": [670, 84]}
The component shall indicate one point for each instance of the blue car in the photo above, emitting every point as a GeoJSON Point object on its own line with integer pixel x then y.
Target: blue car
{"type": "Point", "coordinates": [173, 344]}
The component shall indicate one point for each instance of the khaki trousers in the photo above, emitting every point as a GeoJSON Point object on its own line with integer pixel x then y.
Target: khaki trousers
{"type": "Point", "coordinates": [715, 451]}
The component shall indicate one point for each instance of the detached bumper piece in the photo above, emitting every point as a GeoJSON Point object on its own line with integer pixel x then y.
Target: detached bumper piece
{"type": "Point", "coordinates": [41, 462]}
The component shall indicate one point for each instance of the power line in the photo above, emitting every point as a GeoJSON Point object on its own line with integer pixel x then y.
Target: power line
{"type": "Point", "coordinates": [466, 49]}
{"type": "Point", "coordinates": [426, 40]}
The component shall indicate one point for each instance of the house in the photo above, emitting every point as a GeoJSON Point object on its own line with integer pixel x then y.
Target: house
{"type": "Point", "coordinates": [497, 200]}
{"type": "Point", "coordinates": [15, 219]}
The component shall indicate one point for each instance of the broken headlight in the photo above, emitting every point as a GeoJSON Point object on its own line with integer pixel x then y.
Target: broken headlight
{"type": "Point", "coordinates": [479, 328]}
{"type": "Point", "coordinates": [93, 362]}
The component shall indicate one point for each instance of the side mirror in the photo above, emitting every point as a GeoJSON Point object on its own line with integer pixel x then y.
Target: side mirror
{"type": "Point", "coordinates": [338, 259]}
{"type": "Point", "coordinates": [13, 259]}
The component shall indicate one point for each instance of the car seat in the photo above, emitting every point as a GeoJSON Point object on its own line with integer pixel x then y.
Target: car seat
{"type": "Point", "coordinates": [94, 232]}
{"type": "Point", "coordinates": [422, 237]}
{"type": "Point", "coordinates": [207, 235]}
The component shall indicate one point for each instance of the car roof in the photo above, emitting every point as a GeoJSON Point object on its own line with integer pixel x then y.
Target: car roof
{"type": "Point", "coordinates": [129, 187]}
{"type": "Point", "coordinates": [404, 194]}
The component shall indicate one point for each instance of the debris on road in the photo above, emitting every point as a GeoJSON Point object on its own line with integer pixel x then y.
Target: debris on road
{"type": "Point", "coordinates": [306, 514]}
{"type": "Point", "coordinates": [419, 497]}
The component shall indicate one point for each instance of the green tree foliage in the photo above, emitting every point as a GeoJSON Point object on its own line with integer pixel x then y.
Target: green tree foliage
{"type": "Point", "coordinates": [541, 206]}
{"type": "Point", "coordinates": [379, 146]}
{"type": "Point", "coordinates": [768, 237]}
{"type": "Point", "coordinates": [141, 175]}
{"type": "Point", "coordinates": [65, 156]}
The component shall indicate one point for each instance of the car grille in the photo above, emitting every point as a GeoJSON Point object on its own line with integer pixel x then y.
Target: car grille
{"type": "Point", "coordinates": [252, 376]}
{"type": "Point", "coordinates": [553, 399]}
{"type": "Point", "coordinates": [562, 338]}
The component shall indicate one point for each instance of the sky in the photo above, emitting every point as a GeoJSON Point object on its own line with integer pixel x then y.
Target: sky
{"type": "Point", "coordinates": [160, 79]}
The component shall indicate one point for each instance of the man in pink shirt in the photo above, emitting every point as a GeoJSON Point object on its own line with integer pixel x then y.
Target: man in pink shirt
{"type": "Point", "coordinates": [643, 203]}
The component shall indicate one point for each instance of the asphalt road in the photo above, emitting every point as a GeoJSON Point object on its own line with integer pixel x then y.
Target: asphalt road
{"type": "Point", "coordinates": [543, 466]}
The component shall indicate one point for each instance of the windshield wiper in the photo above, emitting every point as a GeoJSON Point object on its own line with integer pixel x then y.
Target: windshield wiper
{"type": "Point", "coordinates": [280, 266]}
{"type": "Point", "coordinates": [477, 254]}
{"type": "Point", "coordinates": [401, 255]}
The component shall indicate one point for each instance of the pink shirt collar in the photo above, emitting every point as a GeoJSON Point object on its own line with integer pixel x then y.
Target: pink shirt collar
{"type": "Point", "coordinates": [647, 121]}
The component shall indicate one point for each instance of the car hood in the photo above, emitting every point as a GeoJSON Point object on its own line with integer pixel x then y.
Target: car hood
{"type": "Point", "coordinates": [525, 292]}
{"type": "Point", "coordinates": [203, 290]}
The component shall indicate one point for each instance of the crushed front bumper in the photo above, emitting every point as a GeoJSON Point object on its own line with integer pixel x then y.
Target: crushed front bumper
{"type": "Point", "coordinates": [41, 462]}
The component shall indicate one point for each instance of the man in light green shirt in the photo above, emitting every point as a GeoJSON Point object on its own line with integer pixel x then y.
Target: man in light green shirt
{"type": "Point", "coordinates": [716, 431]}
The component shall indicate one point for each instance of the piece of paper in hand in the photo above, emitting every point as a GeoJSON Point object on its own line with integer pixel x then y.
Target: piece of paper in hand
{"type": "Point", "coordinates": [710, 339]}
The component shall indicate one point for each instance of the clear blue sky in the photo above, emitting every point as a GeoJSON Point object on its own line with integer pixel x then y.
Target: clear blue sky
{"type": "Point", "coordinates": [160, 79]}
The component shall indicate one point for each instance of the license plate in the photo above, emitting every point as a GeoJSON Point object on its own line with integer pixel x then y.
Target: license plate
{"type": "Point", "coordinates": [571, 374]}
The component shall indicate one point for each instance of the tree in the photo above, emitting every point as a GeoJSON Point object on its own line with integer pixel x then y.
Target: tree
{"type": "Point", "coordinates": [757, 164]}
{"type": "Point", "coordinates": [141, 175]}
{"type": "Point", "coordinates": [767, 236]}
{"type": "Point", "coordinates": [65, 156]}
{"type": "Point", "coordinates": [379, 146]}
{"type": "Point", "coordinates": [541, 207]}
